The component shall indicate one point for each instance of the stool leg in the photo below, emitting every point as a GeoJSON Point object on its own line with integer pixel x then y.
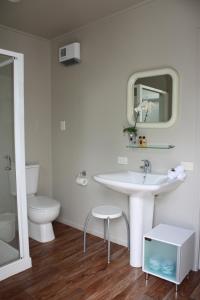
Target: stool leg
{"type": "Point", "coordinates": [85, 231]}
{"type": "Point", "coordinates": [127, 228]}
{"type": "Point", "coordinates": [108, 233]}
{"type": "Point", "coordinates": [105, 225]}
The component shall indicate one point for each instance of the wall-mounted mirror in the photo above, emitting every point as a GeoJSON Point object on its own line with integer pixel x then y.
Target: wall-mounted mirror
{"type": "Point", "coordinates": [152, 98]}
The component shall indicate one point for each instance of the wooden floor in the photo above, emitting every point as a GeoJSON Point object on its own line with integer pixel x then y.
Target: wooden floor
{"type": "Point", "coordinates": [61, 271]}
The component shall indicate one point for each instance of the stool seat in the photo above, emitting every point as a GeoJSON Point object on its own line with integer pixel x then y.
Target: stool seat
{"type": "Point", "coordinates": [107, 211]}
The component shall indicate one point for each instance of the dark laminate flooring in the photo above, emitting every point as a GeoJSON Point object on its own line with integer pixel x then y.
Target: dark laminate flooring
{"type": "Point", "coordinates": [61, 271]}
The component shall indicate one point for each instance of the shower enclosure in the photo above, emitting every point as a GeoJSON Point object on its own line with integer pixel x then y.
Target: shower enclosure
{"type": "Point", "coordinates": [14, 247]}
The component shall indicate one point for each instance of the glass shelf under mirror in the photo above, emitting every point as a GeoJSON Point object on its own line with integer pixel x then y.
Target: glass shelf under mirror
{"type": "Point", "coordinates": [151, 146]}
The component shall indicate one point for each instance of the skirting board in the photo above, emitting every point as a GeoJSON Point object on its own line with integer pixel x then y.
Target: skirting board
{"type": "Point", "coordinates": [93, 232]}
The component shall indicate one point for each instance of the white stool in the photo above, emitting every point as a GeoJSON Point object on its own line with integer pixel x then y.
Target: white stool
{"type": "Point", "coordinates": [106, 213]}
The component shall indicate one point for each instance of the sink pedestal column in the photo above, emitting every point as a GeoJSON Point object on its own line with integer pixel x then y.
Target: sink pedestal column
{"type": "Point", "coordinates": [141, 221]}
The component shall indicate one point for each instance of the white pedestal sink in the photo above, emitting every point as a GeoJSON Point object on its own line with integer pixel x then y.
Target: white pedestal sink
{"type": "Point", "coordinates": [141, 190]}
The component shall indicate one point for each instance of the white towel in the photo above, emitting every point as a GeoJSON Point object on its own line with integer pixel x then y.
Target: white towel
{"type": "Point", "coordinates": [178, 173]}
{"type": "Point", "coordinates": [179, 169]}
{"type": "Point", "coordinates": [171, 174]}
{"type": "Point", "coordinates": [181, 176]}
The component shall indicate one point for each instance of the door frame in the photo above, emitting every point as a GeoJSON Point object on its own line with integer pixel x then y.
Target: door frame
{"type": "Point", "coordinates": [24, 262]}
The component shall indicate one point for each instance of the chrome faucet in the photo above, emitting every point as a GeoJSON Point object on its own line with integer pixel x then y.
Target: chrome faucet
{"type": "Point", "coordinates": [147, 166]}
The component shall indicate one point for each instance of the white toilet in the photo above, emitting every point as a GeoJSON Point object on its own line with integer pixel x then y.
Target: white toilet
{"type": "Point", "coordinates": [42, 210]}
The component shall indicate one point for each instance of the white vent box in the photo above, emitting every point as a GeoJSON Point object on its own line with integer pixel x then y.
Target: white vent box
{"type": "Point", "coordinates": [70, 54]}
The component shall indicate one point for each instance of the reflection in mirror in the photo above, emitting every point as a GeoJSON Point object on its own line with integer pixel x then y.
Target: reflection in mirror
{"type": "Point", "coordinates": [152, 98]}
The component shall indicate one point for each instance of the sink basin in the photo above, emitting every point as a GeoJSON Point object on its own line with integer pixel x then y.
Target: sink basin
{"type": "Point", "coordinates": [141, 190]}
{"type": "Point", "coordinates": [130, 182]}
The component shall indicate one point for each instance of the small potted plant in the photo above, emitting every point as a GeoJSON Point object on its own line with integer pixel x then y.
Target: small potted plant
{"type": "Point", "coordinates": [132, 133]}
{"type": "Point", "coordinates": [132, 130]}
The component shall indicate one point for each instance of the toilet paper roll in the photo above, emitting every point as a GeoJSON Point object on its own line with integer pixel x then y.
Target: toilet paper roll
{"type": "Point", "coordinates": [82, 181]}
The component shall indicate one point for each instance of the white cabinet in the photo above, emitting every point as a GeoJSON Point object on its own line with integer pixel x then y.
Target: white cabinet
{"type": "Point", "coordinates": [168, 252]}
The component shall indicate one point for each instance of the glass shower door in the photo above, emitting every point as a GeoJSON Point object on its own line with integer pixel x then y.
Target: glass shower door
{"type": "Point", "coordinates": [9, 235]}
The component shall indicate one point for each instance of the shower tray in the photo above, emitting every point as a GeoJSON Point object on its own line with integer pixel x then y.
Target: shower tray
{"type": "Point", "coordinates": [7, 253]}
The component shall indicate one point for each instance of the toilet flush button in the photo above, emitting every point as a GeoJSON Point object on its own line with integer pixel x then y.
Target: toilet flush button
{"type": "Point", "coordinates": [62, 125]}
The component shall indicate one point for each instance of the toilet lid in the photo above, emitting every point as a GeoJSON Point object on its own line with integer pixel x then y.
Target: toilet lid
{"type": "Point", "coordinates": [42, 202]}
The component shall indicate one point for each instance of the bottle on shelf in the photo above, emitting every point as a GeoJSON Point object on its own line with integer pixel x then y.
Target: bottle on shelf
{"type": "Point", "coordinates": [140, 141]}
{"type": "Point", "coordinates": [144, 141]}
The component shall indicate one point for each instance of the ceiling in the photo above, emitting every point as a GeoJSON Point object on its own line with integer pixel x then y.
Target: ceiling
{"type": "Point", "coordinates": [51, 18]}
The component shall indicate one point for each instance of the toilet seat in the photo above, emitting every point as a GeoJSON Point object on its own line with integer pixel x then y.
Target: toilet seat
{"type": "Point", "coordinates": [42, 203]}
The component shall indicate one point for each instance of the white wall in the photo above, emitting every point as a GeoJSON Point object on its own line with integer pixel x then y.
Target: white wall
{"type": "Point", "coordinates": [91, 97]}
{"type": "Point", "coordinates": [37, 72]}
